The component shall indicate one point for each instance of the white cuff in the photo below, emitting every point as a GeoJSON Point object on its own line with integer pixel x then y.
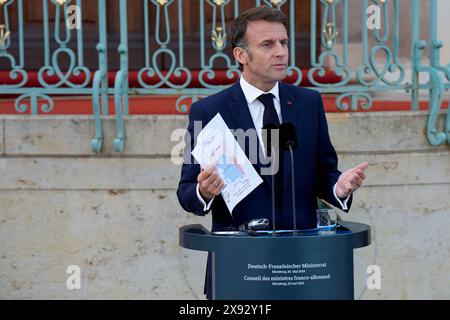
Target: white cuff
{"type": "Point", "coordinates": [200, 198]}
{"type": "Point", "coordinates": [343, 204]}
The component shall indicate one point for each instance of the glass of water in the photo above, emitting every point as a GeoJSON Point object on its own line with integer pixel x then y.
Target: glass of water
{"type": "Point", "coordinates": [326, 219]}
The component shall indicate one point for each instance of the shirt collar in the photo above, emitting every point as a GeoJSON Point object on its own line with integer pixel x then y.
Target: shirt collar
{"type": "Point", "coordinates": [251, 93]}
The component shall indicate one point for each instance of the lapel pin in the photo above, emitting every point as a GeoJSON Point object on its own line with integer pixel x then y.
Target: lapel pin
{"type": "Point", "coordinates": [289, 103]}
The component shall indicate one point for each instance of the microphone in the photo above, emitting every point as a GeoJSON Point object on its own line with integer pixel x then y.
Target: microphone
{"type": "Point", "coordinates": [288, 141]}
{"type": "Point", "coordinates": [288, 137]}
{"type": "Point", "coordinates": [269, 127]}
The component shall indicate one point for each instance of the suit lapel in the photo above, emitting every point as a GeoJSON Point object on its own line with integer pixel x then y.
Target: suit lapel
{"type": "Point", "coordinates": [238, 109]}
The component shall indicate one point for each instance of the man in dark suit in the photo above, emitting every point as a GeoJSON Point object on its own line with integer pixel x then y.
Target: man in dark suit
{"type": "Point", "coordinates": [260, 45]}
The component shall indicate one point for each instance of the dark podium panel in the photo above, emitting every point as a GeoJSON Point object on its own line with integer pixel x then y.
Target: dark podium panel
{"type": "Point", "coordinates": [311, 265]}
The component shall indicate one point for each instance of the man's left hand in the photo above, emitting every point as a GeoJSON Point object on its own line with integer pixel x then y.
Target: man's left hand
{"type": "Point", "coordinates": [351, 180]}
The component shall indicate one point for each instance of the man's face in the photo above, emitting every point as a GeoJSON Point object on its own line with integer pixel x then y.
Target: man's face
{"type": "Point", "coordinates": [266, 56]}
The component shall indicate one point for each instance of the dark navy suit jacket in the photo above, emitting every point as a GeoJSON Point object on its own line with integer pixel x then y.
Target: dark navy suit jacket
{"type": "Point", "coordinates": [315, 162]}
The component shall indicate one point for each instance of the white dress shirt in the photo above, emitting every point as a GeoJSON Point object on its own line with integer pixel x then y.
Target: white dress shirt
{"type": "Point", "coordinates": [256, 109]}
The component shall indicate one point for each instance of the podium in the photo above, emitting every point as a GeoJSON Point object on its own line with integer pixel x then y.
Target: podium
{"type": "Point", "coordinates": [311, 265]}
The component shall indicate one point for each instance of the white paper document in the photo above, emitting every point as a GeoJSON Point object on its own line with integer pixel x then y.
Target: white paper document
{"type": "Point", "coordinates": [216, 146]}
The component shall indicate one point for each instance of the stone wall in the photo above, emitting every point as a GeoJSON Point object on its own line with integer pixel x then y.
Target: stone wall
{"type": "Point", "coordinates": [116, 216]}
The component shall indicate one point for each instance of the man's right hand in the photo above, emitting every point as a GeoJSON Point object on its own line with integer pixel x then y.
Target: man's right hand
{"type": "Point", "coordinates": [209, 183]}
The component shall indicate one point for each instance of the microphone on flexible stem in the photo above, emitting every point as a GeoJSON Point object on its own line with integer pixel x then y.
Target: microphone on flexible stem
{"type": "Point", "coordinates": [271, 152]}
{"type": "Point", "coordinates": [288, 141]}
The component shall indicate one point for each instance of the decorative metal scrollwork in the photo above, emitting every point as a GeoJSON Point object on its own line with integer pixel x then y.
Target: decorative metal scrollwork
{"type": "Point", "coordinates": [152, 70]}
{"type": "Point", "coordinates": [218, 42]}
{"type": "Point", "coordinates": [184, 101]}
{"type": "Point", "coordinates": [358, 100]}
{"type": "Point", "coordinates": [22, 106]}
{"type": "Point", "coordinates": [75, 71]}
{"type": "Point", "coordinates": [219, 39]}
{"type": "Point", "coordinates": [3, 37]}
{"type": "Point", "coordinates": [18, 77]}
{"type": "Point", "coordinates": [372, 71]}
{"type": "Point", "coordinates": [328, 38]}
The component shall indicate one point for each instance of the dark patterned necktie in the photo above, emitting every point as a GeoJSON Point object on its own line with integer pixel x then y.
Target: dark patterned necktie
{"type": "Point", "coordinates": [270, 114]}
{"type": "Point", "coordinates": [270, 118]}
